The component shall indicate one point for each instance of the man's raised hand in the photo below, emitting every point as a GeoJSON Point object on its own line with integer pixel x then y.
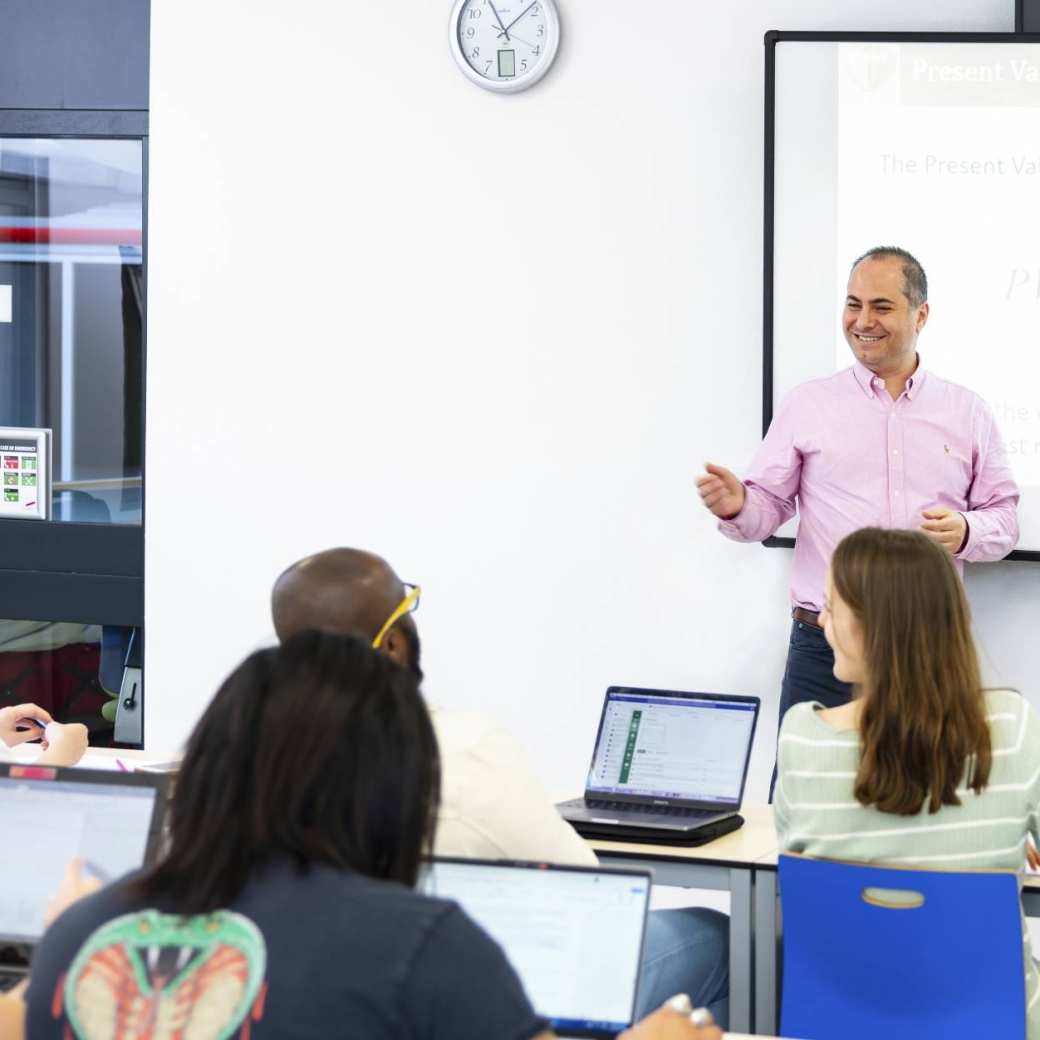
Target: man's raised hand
{"type": "Point", "coordinates": [721, 491]}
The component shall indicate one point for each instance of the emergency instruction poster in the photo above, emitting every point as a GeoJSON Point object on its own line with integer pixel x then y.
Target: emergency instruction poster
{"type": "Point", "coordinates": [25, 458]}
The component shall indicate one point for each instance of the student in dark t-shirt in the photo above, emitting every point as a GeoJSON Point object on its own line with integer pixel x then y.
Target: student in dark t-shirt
{"type": "Point", "coordinates": [285, 904]}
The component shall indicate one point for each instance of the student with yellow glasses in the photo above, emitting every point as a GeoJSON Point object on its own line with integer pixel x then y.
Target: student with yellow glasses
{"type": "Point", "coordinates": [492, 805]}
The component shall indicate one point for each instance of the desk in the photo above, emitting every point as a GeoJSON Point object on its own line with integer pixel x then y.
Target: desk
{"type": "Point", "coordinates": [132, 757]}
{"type": "Point", "coordinates": [28, 753]}
{"type": "Point", "coordinates": [725, 864]}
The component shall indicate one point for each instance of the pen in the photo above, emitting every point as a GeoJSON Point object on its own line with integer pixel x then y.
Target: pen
{"type": "Point", "coordinates": [121, 766]}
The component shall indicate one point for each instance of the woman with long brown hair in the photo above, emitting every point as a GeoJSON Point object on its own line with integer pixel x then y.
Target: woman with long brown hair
{"type": "Point", "coordinates": [924, 767]}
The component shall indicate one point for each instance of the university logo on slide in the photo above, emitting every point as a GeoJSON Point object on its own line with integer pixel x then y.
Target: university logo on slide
{"type": "Point", "coordinates": [871, 65]}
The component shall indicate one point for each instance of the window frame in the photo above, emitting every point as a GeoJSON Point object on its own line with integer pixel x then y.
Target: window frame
{"type": "Point", "coordinates": [65, 571]}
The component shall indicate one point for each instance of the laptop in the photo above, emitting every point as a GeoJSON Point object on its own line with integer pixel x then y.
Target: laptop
{"type": "Point", "coordinates": [668, 767]}
{"type": "Point", "coordinates": [574, 935]}
{"type": "Point", "coordinates": [48, 816]}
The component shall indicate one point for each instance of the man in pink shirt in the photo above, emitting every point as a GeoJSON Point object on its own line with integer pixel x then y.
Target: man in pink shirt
{"type": "Point", "coordinates": [884, 443]}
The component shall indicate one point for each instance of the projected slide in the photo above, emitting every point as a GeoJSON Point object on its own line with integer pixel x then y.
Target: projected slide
{"type": "Point", "coordinates": [934, 147]}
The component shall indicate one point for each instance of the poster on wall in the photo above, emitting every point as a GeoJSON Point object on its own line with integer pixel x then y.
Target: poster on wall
{"type": "Point", "coordinates": [25, 462]}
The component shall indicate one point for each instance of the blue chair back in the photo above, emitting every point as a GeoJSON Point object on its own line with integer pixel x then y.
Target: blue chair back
{"type": "Point", "coordinates": [859, 962]}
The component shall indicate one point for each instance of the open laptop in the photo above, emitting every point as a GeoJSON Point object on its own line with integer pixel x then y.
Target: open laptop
{"type": "Point", "coordinates": [48, 816]}
{"type": "Point", "coordinates": [668, 767]}
{"type": "Point", "coordinates": [573, 934]}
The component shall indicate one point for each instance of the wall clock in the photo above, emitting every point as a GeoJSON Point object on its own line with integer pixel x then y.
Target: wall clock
{"type": "Point", "coordinates": [504, 45]}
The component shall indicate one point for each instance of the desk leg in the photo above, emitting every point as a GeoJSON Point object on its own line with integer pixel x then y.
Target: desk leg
{"type": "Point", "coordinates": [741, 975]}
{"type": "Point", "coordinates": [765, 952]}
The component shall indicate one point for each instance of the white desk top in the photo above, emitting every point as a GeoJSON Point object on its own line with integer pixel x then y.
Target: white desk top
{"type": "Point", "coordinates": [755, 842]}
{"type": "Point", "coordinates": [136, 756]}
{"type": "Point", "coordinates": [99, 758]}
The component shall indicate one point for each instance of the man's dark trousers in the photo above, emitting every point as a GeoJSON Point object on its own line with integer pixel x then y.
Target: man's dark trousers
{"type": "Point", "coordinates": [809, 675]}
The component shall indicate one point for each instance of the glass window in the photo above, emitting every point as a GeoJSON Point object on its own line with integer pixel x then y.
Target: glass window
{"type": "Point", "coordinates": [72, 315]}
{"type": "Point", "coordinates": [76, 672]}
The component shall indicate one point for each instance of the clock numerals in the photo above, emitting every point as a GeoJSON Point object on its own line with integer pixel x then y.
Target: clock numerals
{"type": "Point", "coordinates": [492, 54]}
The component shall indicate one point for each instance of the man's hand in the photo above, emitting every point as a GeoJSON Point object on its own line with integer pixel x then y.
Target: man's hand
{"type": "Point", "coordinates": [75, 885]}
{"type": "Point", "coordinates": [721, 491]}
{"type": "Point", "coordinates": [666, 1024]}
{"type": "Point", "coordinates": [64, 744]}
{"type": "Point", "coordinates": [22, 722]}
{"type": "Point", "coordinates": [945, 527]}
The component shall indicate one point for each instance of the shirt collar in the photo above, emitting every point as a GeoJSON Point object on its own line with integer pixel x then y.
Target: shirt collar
{"type": "Point", "coordinates": [872, 385]}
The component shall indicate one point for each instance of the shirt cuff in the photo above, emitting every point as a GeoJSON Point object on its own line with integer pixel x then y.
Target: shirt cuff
{"type": "Point", "coordinates": [966, 541]}
{"type": "Point", "coordinates": [741, 526]}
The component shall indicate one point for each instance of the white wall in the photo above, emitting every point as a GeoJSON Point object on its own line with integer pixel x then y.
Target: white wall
{"type": "Point", "coordinates": [492, 338]}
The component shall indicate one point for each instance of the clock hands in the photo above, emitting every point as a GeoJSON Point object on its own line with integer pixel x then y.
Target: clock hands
{"type": "Point", "coordinates": [526, 43]}
{"type": "Point", "coordinates": [498, 18]}
{"type": "Point", "coordinates": [519, 16]}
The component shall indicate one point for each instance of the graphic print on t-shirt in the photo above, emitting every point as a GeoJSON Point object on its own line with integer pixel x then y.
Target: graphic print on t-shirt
{"type": "Point", "coordinates": [155, 976]}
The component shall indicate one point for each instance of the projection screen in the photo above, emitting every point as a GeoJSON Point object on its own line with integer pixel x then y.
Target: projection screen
{"type": "Point", "coordinates": [930, 142]}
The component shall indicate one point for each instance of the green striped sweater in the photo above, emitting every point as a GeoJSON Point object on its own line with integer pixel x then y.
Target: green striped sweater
{"type": "Point", "coordinates": [816, 812]}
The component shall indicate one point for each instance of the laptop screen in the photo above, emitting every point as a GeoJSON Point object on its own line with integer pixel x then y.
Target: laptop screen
{"type": "Point", "coordinates": [573, 934]}
{"type": "Point", "coordinates": [48, 817]}
{"type": "Point", "coordinates": [659, 744]}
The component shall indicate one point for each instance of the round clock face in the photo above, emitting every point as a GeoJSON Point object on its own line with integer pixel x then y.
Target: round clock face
{"type": "Point", "coordinates": [505, 45]}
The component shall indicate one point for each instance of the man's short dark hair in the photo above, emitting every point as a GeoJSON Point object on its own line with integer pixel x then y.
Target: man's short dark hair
{"type": "Point", "coordinates": [915, 283]}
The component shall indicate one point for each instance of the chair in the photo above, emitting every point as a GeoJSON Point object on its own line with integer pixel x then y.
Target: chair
{"type": "Point", "coordinates": [872, 952]}
{"type": "Point", "coordinates": [120, 677]}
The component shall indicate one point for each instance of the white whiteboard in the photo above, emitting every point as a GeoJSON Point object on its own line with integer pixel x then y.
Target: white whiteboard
{"type": "Point", "coordinates": [932, 144]}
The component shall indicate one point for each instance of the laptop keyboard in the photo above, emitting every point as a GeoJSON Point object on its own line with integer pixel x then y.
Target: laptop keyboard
{"type": "Point", "coordinates": [654, 810]}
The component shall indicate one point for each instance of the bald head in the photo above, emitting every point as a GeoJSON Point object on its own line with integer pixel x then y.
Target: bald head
{"type": "Point", "coordinates": [340, 590]}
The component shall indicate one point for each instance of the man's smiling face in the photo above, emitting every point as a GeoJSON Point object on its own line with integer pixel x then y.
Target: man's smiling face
{"type": "Point", "coordinates": [880, 324]}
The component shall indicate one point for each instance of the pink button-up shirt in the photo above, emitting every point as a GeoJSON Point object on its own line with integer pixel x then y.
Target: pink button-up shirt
{"type": "Point", "coordinates": [852, 457]}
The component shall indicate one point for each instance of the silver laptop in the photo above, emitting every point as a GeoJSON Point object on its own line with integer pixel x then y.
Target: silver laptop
{"type": "Point", "coordinates": [573, 934]}
{"type": "Point", "coordinates": [49, 816]}
{"type": "Point", "coordinates": [668, 767]}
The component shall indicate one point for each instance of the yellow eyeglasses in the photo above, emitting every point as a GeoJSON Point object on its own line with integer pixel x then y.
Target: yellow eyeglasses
{"type": "Point", "coordinates": [406, 606]}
